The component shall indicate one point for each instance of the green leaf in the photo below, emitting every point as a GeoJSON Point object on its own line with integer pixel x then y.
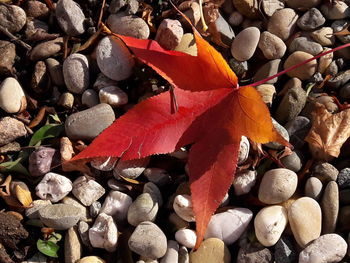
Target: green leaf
{"type": "Point", "coordinates": [14, 167]}
{"type": "Point", "coordinates": [45, 132]}
{"type": "Point", "coordinates": [48, 248]}
{"type": "Point", "coordinates": [55, 237]}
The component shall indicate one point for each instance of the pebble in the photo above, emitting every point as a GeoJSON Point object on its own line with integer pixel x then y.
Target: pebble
{"type": "Point", "coordinates": [76, 73]}
{"type": "Point", "coordinates": [277, 185]}
{"type": "Point", "coordinates": [36, 9]}
{"type": "Point", "coordinates": [114, 59]}
{"type": "Point", "coordinates": [225, 30]}
{"type": "Point", "coordinates": [325, 172]}
{"type": "Point", "coordinates": [90, 98]}
{"type": "Point", "coordinates": [103, 81]}
{"type": "Point", "coordinates": [83, 229]}
{"type": "Point", "coordinates": [12, 17]}
{"type": "Point", "coordinates": [33, 212]}
{"type": "Point", "coordinates": [148, 240]}
{"type": "Point", "coordinates": [70, 17]}
{"type": "Point", "coordinates": [128, 25]}
{"type": "Point", "coordinates": [283, 23]}
{"type": "Point", "coordinates": [130, 168]}
{"type": "Point", "coordinates": [219, 227]}
{"type": "Point", "coordinates": [284, 251]}
{"type": "Point", "coordinates": [306, 45]}
{"type": "Point", "coordinates": [117, 205]}
{"type": "Point", "coordinates": [235, 19]}
{"type": "Point", "coordinates": [46, 49]}
{"type": "Point", "coordinates": [301, 4]}
{"type": "Point", "coordinates": [238, 67]}
{"type": "Point", "coordinates": [87, 124]}
{"type": "Point", "coordinates": [72, 246]}
{"type": "Point", "coordinates": [186, 237]}
{"type": "Point", "coordinates": [271, 45]}
{"type": "Point", "coordinates": [172, 252]}
{"type": "Point", "coordinates": [292, 162]}
{"type": "Point", "coordinates": [10, 130]}
{"type": "Point", "coordinates": [248, 8]}
{"type": "Point", "coordinates": [144, 208]}
{"type": "Point", "coordinates": [330, 207]}
{"type": "Point", "coordinates": [340, 25]}
{"type": "Point", "coordinates": [187, 45]}
{"type": "Point", "coordinates": [343, 178]}
{"type": "Point", "coordinates": [59, 216]}
{"type": "Point", "coordinates": [339, 80]}
{"type": "Point", "coordinates": [313, 188]}
{"type": "Point", "coordinates": [83, 211]}
{"type": "Point", "coordinates": [323, 36]}
{"type": "Point", "coordinates": [158, 176]}
{"type": "Point", "coordinates": [184, 257]}
{"type": "Point", "coordinates": [104, 163]}
{"type": "Point", "coordinates": [270, 68]}
{"type": "Point", "coordinates": [326, 248]}
{"type": "Point", "coordinates": [211, 250]}
{"type": "Point", "coordinates": [55, 70]}
{"type": "Point", "coordinates": [12, 98]}
{"type": "Point", "coordinates": [53, 187]}
{"type": "Point", "coordinates": [154, 191]}
{"type": "Point", "coordinates": [282, 131]}
{"type": "Point", "coordinates": [169, 34]}
{"type": "Point", "coordinates": [311, 19]}
{"type": "Point", "coordinates": [337, 10]}
{"type": "Point", "coordinates": [113, 96]}
{"type": "Point", "coordinates": [40, 82]}
{"type": "Point", "coordinates": [40, 161]}
{"type": "Point", "coordinates": [177, 222]}
{"type": "Point", "coordinates": [244, 181]}
{"type": "Point", "coordinates": [87, 191]}
{"type": "Point", "coordinates": [271, 6]}
{"type": "Point", "coordinates": [269, 224]}
{"type": "Point", "coordinates": [324, 61]}
{"type": "Point", "coordinates": [91, 259]}
{"type": "Point", "coordinates": [95, 208]}
{"type": "Point", "coordinates": [183, 207]}
{"type": "Point", "coordinates": [7, 56]}
{"type": "Point", "coordinates": [244, 45]}
{"type": "Point", "coordinates": [66, 100]}
{"type": "Point", "coordinates": [303, 72]}
{"type": "Point", "coordinates": [305, 219]}
{"type": "Point", "coordinates": [243, 150]}
{"type": "Point", "coordinates": [254, 253]}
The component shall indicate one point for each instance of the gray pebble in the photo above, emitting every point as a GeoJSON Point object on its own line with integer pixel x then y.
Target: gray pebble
{"type": "Point", "coordinates": [235, 19]}
{"type": "Point", "coordinates": [76, 73]}
{"type": "Point", "coordinates": [12, 17]}
{"type": "Point", "coordinates": [254, 253]}
{"type": "Point", "coordinates": [86, 190]}
{"type": "Point", "coordinates": [70, 17]}
{"type": "Point", "coordinates": [103, 81]}
{"type": "Point", "coordinates": [244, 45]}
{"type": "Point", "coordinates": [90, 98]}
{"type": "Point", "coordinates": [87, 124]}
{"type": "Point", "coordinates": [83, 229]}
{"type": "Point", "coordinates": [117, 205]}
{"type": "Point", "coordinates": [184, 257]}
{"type": "Point", "coordinates": [148, 240]}
{"type": "Point", "coordinates": [132, 6]}
{"type": "Point", "coordinates": [325, 172]}
{"type": "Point", "coordinates": [330, 207]}
{"type": "Point", "coordinates": [40, 160]}
{"type": "Point", "coordinates": [169, 33]}
{"type": "Point", "coordinates": [72, 246]}
{"type": "Point", "coordinates": [59, 216]}
{"type": "Point", "coordinates": [56, 73]}
{"type": "Point", "coordinates": [271, 6]}
{"type": "Point", "coordinates": [144, 208]}
{"type": "Point", "coordinates": [306, 45]}
{"type": "Point", "coordinates": [283, 23]}
{"type": "Point", "coordinates": [281, 130]}
{"type": "Point", "coordinates": [272, 46]}
{"type": "Point", "coordinates": [95, 208]}
{"type": "Point", "coordinates": [238, 67]}
{"type": "Point", "coordinates": [268, 69]}
{"type": "Point", "coordinates": [131, 168]}
{"type": "Point", "coordinates": [313, 188]}
{"type": "Point", "coordinates": [10, 130]}
{"type": "Point", "coordinates": [7, 56]}
{"type": "Point", "coordinates": [292, 162]}
{"type": "Point", "coordinates": [157, 175]}
{"type": "Point", "coordinates": [224, 29]}
{"type": "Point", "coordinates": [46, 49]}
{"type": "Point", "coordinates": [340, 25]}
{"type": "Point", "coordinates": [154, 191]}
{"type": "Point", "coordinates": [310, 20]}
{"type": "Point", "coordinates": [343, 178]}
{"type": "Point", "coordinates": [33, 212]}
{"type": "Point", "coordinates": [337, 10]}
{"type": "Point", "coordinates": [284, 251]}
{"type": "Point", "coordinates": [172, 252]}
{"type": "Point", "coordinates": [12, 98]}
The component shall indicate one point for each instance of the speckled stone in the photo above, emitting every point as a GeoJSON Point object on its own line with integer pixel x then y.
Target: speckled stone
{"type": "Point", "coordinates": [330, 207]}
{"type": "Point", "coordinates": [271, 45]}
{"type": "Point", "coordinates": [283, 23]}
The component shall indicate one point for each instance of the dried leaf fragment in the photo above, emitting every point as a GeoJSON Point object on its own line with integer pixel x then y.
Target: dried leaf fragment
{"type": "Point", "coordinates": [23, 196]}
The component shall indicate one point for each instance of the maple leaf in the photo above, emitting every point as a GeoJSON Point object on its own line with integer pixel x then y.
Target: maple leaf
{"type": "Point", "coordinates": [213, 114]}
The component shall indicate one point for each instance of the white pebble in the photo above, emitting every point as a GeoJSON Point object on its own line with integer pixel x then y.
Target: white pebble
{"type": "Point", "coordinates": [117, 205]}
{"type": "Point", "coordinates": [186, 237]}
{"type": "Point", "coordinates": [183, 207]}
{"type": "Point", "coordinates": [113, 96]}
{"type": "Point", "coordinates": [244, 181]}
{"type": "Point", "coordinates": [53, 187]}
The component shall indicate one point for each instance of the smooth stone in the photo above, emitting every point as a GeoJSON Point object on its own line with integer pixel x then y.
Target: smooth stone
{"type": "Point", "coordinates": [325, 61]}
{"type": "Point", "coordinates": [271, 6]}
{"type": "Point", "coordinates": [131, 168]}
{"type": "Point", "coordinates": [113, 96]}
{"type": "Point", "coordinates": [144, 208]}
{"type": "Point", "coordinates": [248, 8]}
{"type": "Point", "coordinates": [114, 59]}
{"type": "Point", "coordinates": [244, 45]}
{"type": "Point", "coordinates": [10, 130]}
{"type": "Point", "coordinates": [91, 259]}
{"type": "Point", "coordinates": [33, 212]}
{"type": "Point", "coordinates": [66, 100]}
{"type": "Point", "coordinates": [36, 9]}
{"type": "Point", "coordinates": [235, 19]}
{"type": "Point", "coordinates": [90, 98]}
{"type": "Point", "coordinates": [12, 17]}
{"type": "Point", "coordinates": [70, 17]}
{"type": "Point", "coordinates": [148, 240]}
{"type": "Point", "coordinates": [254, 253]}
{"type": "Point", "coordinates": [337, 10]}
{"type": "Point", "coordinates": [267, 92]}
{"type": "Point", "coordinates": [53, 187]}
{"type": "Point", "coordinates": [46, 49]}
{"type": "Point", "coordinates": [301, 4]}
{"type": "Point", "coordinates": [271, 45]}
{"type": "Point", "coordinates": [72, 246]}
{"type": "Point", "coordinates": [305, 219]}
{"type": "Point", "coordinates": [325, 249]}
{"type": "Point", "coordinates": [183, 207]}
{"type": "Point", "coordinates": [84, 212]}
{"type": "Point", "coordinates": [243, 150]}
{"type": "Point", "coordinates": [306, 45]}
{"type": "Point", "coordinates": [277, 185]}
{"type": "Point", "coordinates": [330, 207]}
{"type": "Point", "coordinates": [311, 19]}
{"type": "Point", "coordinates": [313, 188]}
{"type": "Point", "coordinates": [323, 36]}
{"type": "Point", "coordinates": [270, 68]}
{"type": "Point", "coordinates": [269, 224]}
{"type": "Point", "coordinates": [187, 45]}
{"type": "Point", "coordinates": [325, 172]}
{"type": "Point", "coordinates": [282, 131]}
{"type": "Point", "coordinates": [169, 33]}
{"type": "Point", "coordinates": [76, 73]}
{"type": "Point", "coordinates": [177, 222]}
{"type": "Point", "coordinates": [211, 250]}
{"type": "Point", "coordinates": [154, 191]}
{"type": "Point", "coordinates": [303, 72]}
{"type": "Point", "coordinates": [283, 23]}
{"type": "Point", "coordinates": [86, 190]}
{"type": "Point", "coordinates": [40, 160]}
{"type": "Point", "coordinates": [225, 30]}
{"type": "Point", "coordinates": [172, 252]}
{"type": "Point", "coordinates": [244, 181]}
{"type": "Point", "coordinates": [284, 251]}
{"type": "Point", "coordinates": [184, 257]}
{"type": "Point", "coordinates": [229, 225]}
{"type": "Point", "coordinates": [7, 56]}
{"type": "Point", "coordinates": [297, 129]}
{"type": "Point", "coordinates": [55, 70]}
{"type": "Point", "coordinates": [292, 162]}
{"type": "Point", "coordinates": [128, 25]}
{"type": "Point", "coordinates": [103, 81]}
{"type": "Point", "coordinates": [40, 82]}
{"type": "Point", "coordinates": [186, 237]}
{"type": "Point", "coordinates": [59, 216]}
{"type": "Point", "coordinates": [12, 98]}
{"type": "Point", "coordinates": [332, 69]}
{"type": "Point", "coordinates": [157, 176]}
{"type": "Point", "coordinates": [87, 124]}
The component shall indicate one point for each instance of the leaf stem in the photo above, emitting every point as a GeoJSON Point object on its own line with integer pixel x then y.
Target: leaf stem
{"type": "Point", "coordinates": [298, 65]}
{"type": "Point", "coordinates": [204, 25]}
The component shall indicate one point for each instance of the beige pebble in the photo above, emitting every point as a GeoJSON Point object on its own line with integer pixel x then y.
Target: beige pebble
{"type": "Point", "coordinates": [245, 43]}
{"type": "Point", "coordinates": [303, 72]}
{"type": "Point", "coordinates": [330, 207]}
{"type": "Point", "coordinates": [271, 45]}
{"type": "Point", "coordinates": [211, 250]}
{"type": "Point", "coordinates": [323, 36]}
{"type": "Point", "coordinates": [283, 23]}
{"type": "Point", "coordinates": [325, 61]}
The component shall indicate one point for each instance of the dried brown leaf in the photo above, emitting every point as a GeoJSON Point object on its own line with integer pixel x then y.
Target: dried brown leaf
{"type": "Point", "coordinates": [24, 196]}
{"type": "Point", "coordinates": [38, 118]}
{"type": "Point", "coordinates": [147, 15]}
{"type": "Point", "coordinates": [328, 133]}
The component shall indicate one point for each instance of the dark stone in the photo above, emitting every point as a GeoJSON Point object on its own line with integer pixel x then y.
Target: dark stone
{"type": "Point", "coordinates": [284, 251]}
{"type": "Point", "coordinates": [343, 179]}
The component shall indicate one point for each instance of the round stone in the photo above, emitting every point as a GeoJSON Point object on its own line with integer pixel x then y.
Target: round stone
{"type": "Point", "coordinates": [90, 98]}
{"type": "Point", "coordinates": [12, 17]}
{"type": "Point", "coordinates": [183, 207]}
{"type": "Point", "coordinates": [70, 17]}
{"type": "Point", "coordinates": [303, 72]}
{"type": "Point", "coordinates": [271, 45]}
{"type": "Point", "coordinates": [91, 259]}
{"type": "Point", "coordinates": [76, 73]}
{"type": "Point", "coordinates": [186, 237]}
{"type": "Point", "coordinates": [330, 207]}
{"type": "Point", "coordinates": [66, 100]}
{"type": "Point", "coordinates": [144, 208]}
{"type": "Point", "coordinates": [269, 224]}
{"type": "Point", "coordinates": [172, 252]}
{"type": "Point", "coordinates": [325, 61]}
{"type": "Point", "coordinates": [277, 185]}
{"type": "Point", "coordinates": [53, 187]}
{"type": "Point", "coordinates": [10, 130]}
{"type": "Point", "coordinates": [7, 56]}
{"type": "Point", "coordinates": [211, 250]}
{"type": "Point", "coordinates": [59, 216]}
{"type": "Point", "coordinates": [313, 188]}
{"type": "Point", "coordinates": [325, 172]}
{"type": "Point", "coordinates": [12, 98]}
{"type": "Point", "coordinates": [245, 43]}
{"type": "Point", "coordinates": [130, 168]}
{"type": "Point", "coordinates": [271, 6]}
{"type": "Point", "coordinates": [244, 181]}
{"type": "Point", "coordinates": [283, 23]}
{"type": "Point", "coordinates": [267, 92]}
{"type": "Point", "coordinates": [292, 162]}
{"type": "Point", "coordinates": [114, 59]}
{"type": "Point", "coordinates": [305, 219]}
{"type": "Point", "coordinates": [55, 70]}
{"type": "Point", "coordinates": [128, 25]}
{"type": "Point", "coordinates": [117, 205]}
{"type": "Point", "coordinates": [113, 96]}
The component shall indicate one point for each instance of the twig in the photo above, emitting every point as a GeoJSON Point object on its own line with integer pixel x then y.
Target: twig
{"type": "Point", "coordinates": [14, 38]}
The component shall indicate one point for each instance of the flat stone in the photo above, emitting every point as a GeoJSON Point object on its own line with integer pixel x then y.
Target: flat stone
{"type": "Point", "coordinates": [271, 45]}
{"type": "Point", "coordinates": [144, 208]}
{"type": "Point", "coordinates": [313, 188]}
{"type": "Point", "coordinates": [70, 17]}
{"type": "Point", "coordinates": [306, 45]}
{"type": "Point", "coordinates": [283, 23]}
{"type": "Point", "coordinates": [46, 49]}
{"type": "Point", "coordinates": [10, 130]}
{"type": "Point", "coordinates": [87, 124]}
{"type": "Point", "coordinates": [87, 191]}
{"type": "Point", "coordinates": [211, 250]}
{"type": "Point", "coordinates": [72, 246]}
{"type": "Point", "coordinates": [270, 68]}
{"type": "Point", "coordinates": [12, 98]}
{"type": "Point", "coordinates": [12, 17]}
{"type": "Point", "coordinates": [7, 56]}
{"type": "Point", "coordinates": [76, 73]}
{"type": "Point", "coordinates": [303, 72]}
{"type": "Point", "coordinates": [59, 216]}
{"type": "Point", "coordinates": [245, 43]}
{"type": "Point", "coordinates": [330, 207]}
{"type": "Point", "coordinates": [323, 36]}
{"type": "Point", "coordinates": [311, 19]}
